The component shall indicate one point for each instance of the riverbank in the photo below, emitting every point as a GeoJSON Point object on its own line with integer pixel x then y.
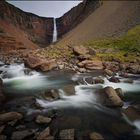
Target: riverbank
{"type": "Point", "coordinates": [68, 105]}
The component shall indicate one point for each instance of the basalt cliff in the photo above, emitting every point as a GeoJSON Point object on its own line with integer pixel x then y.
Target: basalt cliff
{"type": "Point", "coordinates": [26, 29]}
{"type": "Point", "coordinates": [23, 30]}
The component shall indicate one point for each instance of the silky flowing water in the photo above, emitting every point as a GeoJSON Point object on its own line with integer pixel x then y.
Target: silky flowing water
{"type": "Point", "coordinates": [81, 111]}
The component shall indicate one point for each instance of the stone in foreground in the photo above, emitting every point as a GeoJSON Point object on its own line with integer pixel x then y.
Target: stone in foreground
{"type": "Point", "coordinates": [44, 134]}
{"type": "Point", "coordinates": [20, 135]}
{"type": "Point", "coordinates": [96, 136]}
{"type": "Point", "coordinates": [67, 134]}
{"type": "Point", "coordinates": [111, 99]}
{"type": "Point", "coordinates": [41, 119]}
{"type": "Point", "coordinates": [10, 116]}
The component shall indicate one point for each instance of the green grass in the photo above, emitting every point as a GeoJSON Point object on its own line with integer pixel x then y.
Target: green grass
{"type": "Point", "coordinates": [128, 43]}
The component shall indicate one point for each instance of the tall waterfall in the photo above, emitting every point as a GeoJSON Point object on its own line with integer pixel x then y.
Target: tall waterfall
{"type": "Point", "coordinates": [54, 31]}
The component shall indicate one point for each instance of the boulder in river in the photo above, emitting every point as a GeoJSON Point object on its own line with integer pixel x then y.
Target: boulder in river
{"type": "Point", "coordinates": [51, 95]}
{"type": "Point", "coordinates": [67, 134]}
{"type": "Point", "coordinates": [44, 134]}
{"type": "Point", "coordinates": [20, 135]}
{"type": "Point", "coordinates": [132, 113]}
{"type": "Point", "coordinates": [69, 89]}
{"type": "Point", "coordinates": [119, 92]}
{"type": "Point", "coordinates": [114, 79]}
{"type": "Point", "coordinates": [111, 99]}
{"type": "Point", "coordinates": [10, 116]}
{"type": "Point", "coordinates": [96, 136]}
{"type": "Point", "coordinates": [42, 119]}
{"type": "Point", "coordinates": [98, 81]}
{"type": "Point", "coordinates": [1, 128]}
{"type": "Point", "coordinates": [89, 80]}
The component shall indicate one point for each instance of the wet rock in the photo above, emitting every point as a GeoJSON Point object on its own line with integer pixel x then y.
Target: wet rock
{"type": "Point", "coordinates": [67, 134]}
{"type": "Point", "coordinates": [89, 80]}
{"type": "Point", "coordinates": [96, 136]}
{"type": "Point", "coordinates": [69, 89]}
{"type": "Point", "coordinates": [98, 81]}
{"type": "Point", "coordinates": [51, 95]}
{"type": "Point", "coordinates": [123, 74]}
{"type": "Point", "coordinates": [41, 119]}
{"type": "Point", "coordinates": [108, 72]}
{"type": "Point", "coordinates": [80, 50]}
{"type": "Point", "coordinates": [12, 123]}
{"type": "Point", "coordinates": [128, 81]}
{"type": "Point", "coordinates": [20, 135]}
{"type": "Point", "coordinates": [44, 134]}
{"type": "Point", "coordinates": [132, 113]}
{"type": "Point", "coordinates": [20, 127]}
{"type": "Point", "coordinates": [2, 97]}
{"type": "Point", "coordinates": [111, 99]}
{"type": "Point", "coordinates": [48, 65]}
{"type": "Point", "coordinates": [10, 116]}
{"type": "Point", "coordinates": [82, 70]}
{"type": "Point", "coordinates": [119, 92]}
{"type": "Point", "coordinates": [2, 128]}
{"type": "Point", "coordinates": [114, 79]}
{"type": "Point", "coordinates": [121, 128]}
{"type": "Point", "coordinates": [3, 137]}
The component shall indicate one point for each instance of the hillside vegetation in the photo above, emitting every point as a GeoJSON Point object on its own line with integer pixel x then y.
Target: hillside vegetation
{"type": "Point", "coordinates": [126, 47]}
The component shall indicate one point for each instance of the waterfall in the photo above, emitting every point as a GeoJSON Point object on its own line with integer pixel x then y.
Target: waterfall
{"type": "Point", "coordinates": [54, 31]}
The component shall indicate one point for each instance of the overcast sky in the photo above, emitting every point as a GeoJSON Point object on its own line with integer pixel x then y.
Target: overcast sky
{"type": "Point", "coordinates": [46, 8]}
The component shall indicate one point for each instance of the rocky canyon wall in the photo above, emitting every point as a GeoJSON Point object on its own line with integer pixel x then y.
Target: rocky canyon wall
{"type": "Point", "coordinates": [76, 15]}
{"type": "Point", "coordinates": [39, 30]}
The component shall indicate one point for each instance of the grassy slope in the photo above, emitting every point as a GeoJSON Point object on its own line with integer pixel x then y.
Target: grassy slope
{"type": "Point", "coordinates": [128, 44]}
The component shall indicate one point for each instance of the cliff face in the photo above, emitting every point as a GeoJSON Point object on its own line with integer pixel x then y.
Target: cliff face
{"type": "Point", "coordinates": [32, 31]}
{"type": "Point", "coordinates": [37, 29]}
{"type": "Point", "coordinates": [75, 16]}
